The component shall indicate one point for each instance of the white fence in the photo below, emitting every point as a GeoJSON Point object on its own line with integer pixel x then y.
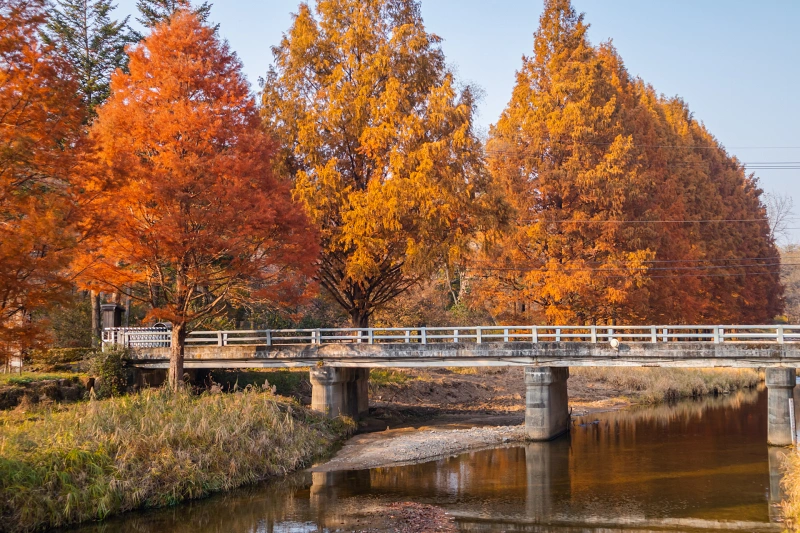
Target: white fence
{"type": "Point", "coordinates": [160, 337]}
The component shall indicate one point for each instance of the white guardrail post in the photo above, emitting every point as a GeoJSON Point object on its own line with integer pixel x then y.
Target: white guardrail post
{"type": "Point", "coordinates": [779, 335]}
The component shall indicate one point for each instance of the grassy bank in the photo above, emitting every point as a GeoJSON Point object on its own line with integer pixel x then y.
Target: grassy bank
{"type": "Point", "coordinates": [154, 449]}
{"type": "Point", "coordinates": [654, 385]}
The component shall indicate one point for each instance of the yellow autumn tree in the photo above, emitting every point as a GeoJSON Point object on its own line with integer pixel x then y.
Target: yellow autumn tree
{"type": "Point", "coordinates": [627, 210]}
{"type": "Point", "coordinates": [566, 159]}
{"type": "Point", "coordinates": [378, 138]}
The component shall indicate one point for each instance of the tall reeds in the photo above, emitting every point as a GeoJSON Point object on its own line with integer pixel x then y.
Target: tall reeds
{"type": "Point", "coordinates": [148, 450]}
{"type": "Point", "coordinates": [654, 385]}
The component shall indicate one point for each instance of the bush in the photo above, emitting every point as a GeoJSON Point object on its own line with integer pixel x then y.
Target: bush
{"type": "Point", "coordinates": [108, 369]}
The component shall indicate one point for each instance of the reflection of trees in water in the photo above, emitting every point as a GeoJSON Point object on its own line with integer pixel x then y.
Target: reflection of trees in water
{"type": "Point", "coordinates": [258, 508]}
{"type": "Point", "coordinates": [685, 410]}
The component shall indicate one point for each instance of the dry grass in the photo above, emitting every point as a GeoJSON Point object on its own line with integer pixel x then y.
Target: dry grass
{"type": "Point", "coordinates": [93, 459]}
{"type": "Point", "coordinates": [653, 385]}
{"type": "Point", "coordinates": [791, 484]}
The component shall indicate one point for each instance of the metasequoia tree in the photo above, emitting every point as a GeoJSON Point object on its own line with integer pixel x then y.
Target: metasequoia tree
{"type": "Point", "coordinates": [198, 220]}
{"type": "Point", "coordinates": [40, 120]}
{"type": "Point", "coordinates": [621, 199]}
{"type": "Point", "coordinates": [378, 139]}
{"type": "Point", "coordinates": [92, 43]}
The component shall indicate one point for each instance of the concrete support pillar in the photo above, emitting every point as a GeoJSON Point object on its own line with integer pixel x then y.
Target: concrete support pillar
{"type": "Point", "coordinates": [546, 402]}
{"type": "Point", "coordinates": [780, 387]}
{"type": "Point", "coordinates": [340, 391]}
{"type": "Point", "coordinates": [777, 458]}
{"type": "Point", "coordinates": [362, 387]}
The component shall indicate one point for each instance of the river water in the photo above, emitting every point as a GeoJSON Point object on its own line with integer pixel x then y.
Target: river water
{"type": "Point", "coordinates": [693, 466]}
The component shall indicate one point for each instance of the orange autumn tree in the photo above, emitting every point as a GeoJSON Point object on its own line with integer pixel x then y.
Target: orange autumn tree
{"type": "Point", "coordinates": [623, 201]}
{"type": "Point", "coordinates": [40, 119]}
{"type": "Point", "coordinates": [378, 139]}
{"type": "Point", "coordinates": [197, 219]}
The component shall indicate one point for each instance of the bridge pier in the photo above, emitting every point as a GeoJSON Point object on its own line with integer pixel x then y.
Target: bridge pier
{"type": "Point", "coordinates": [546, 402]}
{"type": "Point", "coordinates": [338, 391]}
{"type": "Point", "coordinates": [780, 389]}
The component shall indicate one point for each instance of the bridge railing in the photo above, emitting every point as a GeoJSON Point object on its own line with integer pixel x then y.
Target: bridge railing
{"type": "Point", "coordinates": [160, 337]}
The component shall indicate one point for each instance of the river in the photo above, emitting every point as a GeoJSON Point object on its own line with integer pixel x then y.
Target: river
{"type": "Point", "coordinates": [693, 466]}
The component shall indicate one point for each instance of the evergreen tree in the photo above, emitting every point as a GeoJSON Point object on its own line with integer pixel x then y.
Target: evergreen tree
{"type": "Point", "coordinates": [154, 11]}
{"type": "Point", "coordinates": [91, 42]}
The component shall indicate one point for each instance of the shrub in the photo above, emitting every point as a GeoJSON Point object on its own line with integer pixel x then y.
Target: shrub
{"type": "Point", "coordinates": [108, 369]}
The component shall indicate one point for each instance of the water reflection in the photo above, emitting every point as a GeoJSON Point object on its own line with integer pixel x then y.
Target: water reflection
{"type": "Point", "coordinates": [694, 466]}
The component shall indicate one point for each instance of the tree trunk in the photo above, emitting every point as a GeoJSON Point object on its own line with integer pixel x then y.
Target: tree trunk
{"type": "Point", "coordinates": [359, 318]}
{"type": "Point", "coordinates": [97, 326]}
{"type": "Point", "coordinates": [177, 347]}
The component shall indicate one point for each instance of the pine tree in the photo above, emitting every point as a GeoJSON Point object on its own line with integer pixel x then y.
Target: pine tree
{"type": "Point", "coordinates": [92, 43]}
{"type": "Point", "coordinates": [155, 11]}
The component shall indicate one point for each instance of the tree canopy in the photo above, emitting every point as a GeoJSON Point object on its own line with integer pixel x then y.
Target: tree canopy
{"type": "Point", "coordinates": [378, 138]}
{"type": "Point", "coordinates": [40, 138]}
{"type": "Point", "coordinates": [197, 219]}
{"type": "Point", "coordinates": [627, 209]}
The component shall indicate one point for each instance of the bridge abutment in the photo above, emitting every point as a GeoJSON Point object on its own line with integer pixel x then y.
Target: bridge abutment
{"type": "Point", "coordinates": [546, 402]}
{"type": "Point", "coordinates": [338, 391]}
{"type": "Point", "coordinates": [780, 389]}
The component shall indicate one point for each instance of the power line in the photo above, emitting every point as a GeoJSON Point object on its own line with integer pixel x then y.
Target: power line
{"type": "Point", "coordinates": [702, 221]}
{"type": "Point", "coordinates": [727, 275]}
{"type": "Point", "coordinates": [644, 269]}
{"type": "Point", "coordinates": [695, 147]}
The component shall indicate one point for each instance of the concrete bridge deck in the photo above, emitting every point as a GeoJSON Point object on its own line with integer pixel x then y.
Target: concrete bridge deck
{"type": "Point", "coordinates": [339, 359]}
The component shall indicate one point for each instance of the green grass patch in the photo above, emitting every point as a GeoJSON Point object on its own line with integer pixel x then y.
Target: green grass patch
{"type": "Point", "coordinates": [154, 449]}
{"type": "Point", "coordinates": [287, 382]}
{"type": "Point", "coordinates": [31, 377]}
{"type": "Point", "coordinates": [384, 376]}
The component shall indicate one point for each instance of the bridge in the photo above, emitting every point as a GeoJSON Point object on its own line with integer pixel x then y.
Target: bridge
{"type": "Point", "coordinates": [340, 359]}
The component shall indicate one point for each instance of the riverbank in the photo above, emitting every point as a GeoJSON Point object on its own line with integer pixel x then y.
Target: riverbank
{"type": "Point", "coordinates": [501, 390]}
{"type": "Point", "coordinates": [453, 434]}
{"type": "Point", "coordinates": [790, 507]}
{"type": "Point", "coordinates": [86, 461]}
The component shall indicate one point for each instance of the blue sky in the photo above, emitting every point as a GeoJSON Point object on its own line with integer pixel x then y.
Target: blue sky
{"type": "Point", "coordinates": [735, 62]}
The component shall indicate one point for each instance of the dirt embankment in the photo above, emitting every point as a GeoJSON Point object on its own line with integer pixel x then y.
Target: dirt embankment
{"type": "Point", "coordinates": [46, 391]}
{"type": "Point", "coordinates": [499, 390]}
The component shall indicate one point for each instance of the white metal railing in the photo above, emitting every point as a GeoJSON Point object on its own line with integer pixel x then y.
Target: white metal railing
{"type": "Point", "coordinates": [160, 337]}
